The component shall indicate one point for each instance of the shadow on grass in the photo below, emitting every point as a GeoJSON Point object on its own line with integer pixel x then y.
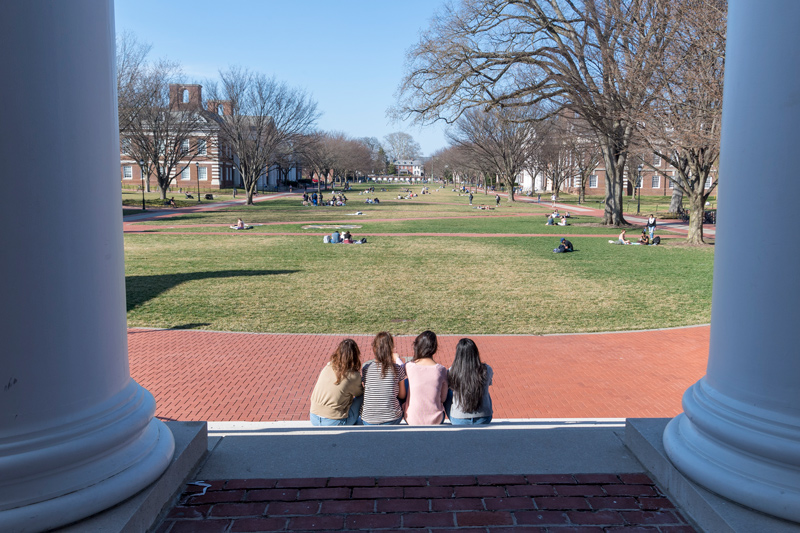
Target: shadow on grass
{"type": "Point", "coordinates": [141, 289]}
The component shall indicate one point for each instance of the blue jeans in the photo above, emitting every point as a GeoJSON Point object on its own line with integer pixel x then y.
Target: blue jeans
{"type": "Point", "coordinates": [351, 420]}
{"type": "Point", "coordinates": [478, 420]}
{"type": "Point", "coordinates": [389, 423]}
{"type": "Point", "coordinates": [652, 230]}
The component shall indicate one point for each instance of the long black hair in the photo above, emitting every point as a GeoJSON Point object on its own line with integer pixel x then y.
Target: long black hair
{"type": "Point", "coordinates": [467, 376]}
{"type": "Point", "coordinates": [425, 345]}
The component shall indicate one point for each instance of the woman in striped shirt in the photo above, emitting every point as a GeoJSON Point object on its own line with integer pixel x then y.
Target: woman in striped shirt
{"type": "Point", "coordinates": [383, 381]}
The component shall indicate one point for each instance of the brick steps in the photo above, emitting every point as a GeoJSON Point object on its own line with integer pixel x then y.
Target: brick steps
{"type": "Point", "coordinates": [543, 503]}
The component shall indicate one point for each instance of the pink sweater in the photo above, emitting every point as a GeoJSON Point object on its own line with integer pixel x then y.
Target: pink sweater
{"type": "Point", "coordinates": [427, 390]}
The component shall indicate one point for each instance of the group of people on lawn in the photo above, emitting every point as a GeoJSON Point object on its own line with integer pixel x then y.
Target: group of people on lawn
{"type": "Point", "coordinates": [647, 234]}
{"type": "Point", "coordinates": [388, 390]}
{"type": "Point", "coordinates": [335, 200]}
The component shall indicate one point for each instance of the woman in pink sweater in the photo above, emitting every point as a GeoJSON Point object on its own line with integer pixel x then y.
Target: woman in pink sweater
{"type": "Point", "coordinates": [427, 384]}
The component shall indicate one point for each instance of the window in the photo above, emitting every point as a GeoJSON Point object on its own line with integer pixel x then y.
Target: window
{"type": "Point", "coordinates": [127, 173]}
{"type": "Point", "coordinates": [593, 181]}
{"type": "Point", "coordinates": [201, 147]}
{"type": "Point", "coordinates": [671, 183]}
{"type": "Point", "coordinates": [220, 109]}
{"type": "Point", "coordinates": [709, 180]}
{"type": "Point", "coordinates": [656, 161]}
{"type": "Point", "coordinates": [656, 181]}
{"type": "Point", "coordinates": [576, 182]}
{"type": "Point", "coordinates": [126, 145]}
{"type": "Point", "coordinates": [185, 146]}
{"type": "Point", "coordinates": [186, 174]}
{"type": "Point", "coordinates": [186, 96]}
{"type": "Point", "coordinates": [202, 173]}
{"type": "Point", "coordinates": [639, 182]}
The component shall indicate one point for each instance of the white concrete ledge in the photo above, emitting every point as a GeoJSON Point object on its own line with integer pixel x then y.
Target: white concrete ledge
{"type": "Point", "coordinates": [254, 450]}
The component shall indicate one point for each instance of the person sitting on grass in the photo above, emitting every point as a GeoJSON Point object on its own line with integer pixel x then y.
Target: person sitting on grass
{"type": "Point", "coordinates": [338, 394]}
{"type": "Point", "coordinates": [347, 238]}
{"type": "Point", "coordinates": [644, 239]}
{"type": "Point", "coordinates": [563, 221]}
{"type": "Point", "coordinates": [427, 384]}
{"type": "Point", "coordinates": [622, 239]}
{"type": "Point", "coordinates": [384, 384]}
{"type": "Point", "coordinates": [240, 224]}
{"type": "Point", "coordinates": [172, 202]}
{"type": "Point", "coordinates": [564, 246]}
{"type": "Point", "coordinates": [549, 220]}
{"type": "Point", "coordinates": [468, 401]}
{"type": "Point", "coordinates": [335, 237]}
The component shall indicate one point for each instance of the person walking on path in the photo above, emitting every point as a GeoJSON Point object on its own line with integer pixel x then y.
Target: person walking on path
{"type": "Point", "coordinates": [470, 197]}
{"type": "Point", "coordinates": [651, 226]}
{"type": "Point", "coordinates": [553, 197]}
{"type": "Point", "coordinates": [497, 200]}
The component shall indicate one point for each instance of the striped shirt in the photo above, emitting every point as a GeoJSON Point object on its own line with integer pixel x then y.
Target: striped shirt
{"type": "Point", "coordinates": [380, 394]}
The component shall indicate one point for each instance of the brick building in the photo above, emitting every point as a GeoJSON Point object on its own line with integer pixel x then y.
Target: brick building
{"type": "Point", "coordinates": [652, 181]}
{"type": "Point", "coordinates": [212, 163]}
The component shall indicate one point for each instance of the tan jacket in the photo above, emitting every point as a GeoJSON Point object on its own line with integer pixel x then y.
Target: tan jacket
{"type": "Point", "coordinates": [333, 401]}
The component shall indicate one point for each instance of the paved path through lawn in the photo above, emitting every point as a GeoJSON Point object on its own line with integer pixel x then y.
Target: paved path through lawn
{"type": "Point", "coordinates": [203, 375]}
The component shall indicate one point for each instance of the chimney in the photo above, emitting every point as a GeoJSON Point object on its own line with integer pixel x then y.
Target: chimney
{"type": "Point", "coordinates": [185, 96]}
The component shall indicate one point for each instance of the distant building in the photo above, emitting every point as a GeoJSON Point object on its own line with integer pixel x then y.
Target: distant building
{"type": "Point", "coordinates": [409, 167]}
{"type": "Point", "coordinates": [213, 165]}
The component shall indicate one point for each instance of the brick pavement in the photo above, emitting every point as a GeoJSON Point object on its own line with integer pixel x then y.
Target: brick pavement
{"type": "Point", "coordinates": [553, 503]}
{"type": "Point", "coordinates": [203, 375]}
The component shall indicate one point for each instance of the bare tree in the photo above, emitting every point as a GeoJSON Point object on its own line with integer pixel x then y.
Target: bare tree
{"type": "Point", "coordinates": [498, 139]}
{"type": "Point", "coordinates": [584, 152]}
{"type": "Point", "coordinates": [401, 145]}
{"type": "Point", "coordinates": [596, 58]}
{"type": "Point", "coordinates": [684, 124]}
{"type": "Point", "coordinates": [263, 117]}
{"type": "Point", "coordinates": [133, 92]}
{"type": "Point", "coordinates": [161, 132]}
{"type": "Point", "coordinates": [377, 155]}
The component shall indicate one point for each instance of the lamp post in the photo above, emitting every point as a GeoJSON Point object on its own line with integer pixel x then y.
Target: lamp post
{"type": "Point", "coordinates": [141, 170]}
{"type": "Point", "coordinates": [639, 191]}
{"type": "Point", "coordinates": [197, 168]}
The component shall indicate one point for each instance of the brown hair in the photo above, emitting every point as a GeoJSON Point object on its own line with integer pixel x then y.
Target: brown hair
{"type": "Point", "coordinates": [425, 345]}
{"type": "Point", "coordinates": [382, 348]}
{"type": "Point", "coordinates": [346, 358]}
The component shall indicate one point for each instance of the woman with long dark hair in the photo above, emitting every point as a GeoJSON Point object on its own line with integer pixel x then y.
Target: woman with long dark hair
{"type": "Point", "coordinates": [427, 383]}
{"type": "Point", "coordinates": [337, 396]}
{"type": "Point", "coordinates": [383, 381]}
{"type": "Point", "coordinates": [468, 401]}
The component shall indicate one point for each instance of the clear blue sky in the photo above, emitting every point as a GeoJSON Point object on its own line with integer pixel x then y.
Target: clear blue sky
{"type": "Point", "coordinates": [348, 54]}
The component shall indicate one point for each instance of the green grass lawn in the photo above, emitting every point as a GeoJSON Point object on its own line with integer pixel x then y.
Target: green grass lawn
{"type": "Point", "coordinates": [459, 285]}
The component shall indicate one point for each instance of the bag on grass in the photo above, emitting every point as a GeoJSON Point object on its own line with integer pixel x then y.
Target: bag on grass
{"type": "Point", "coordinates": [656, 240]}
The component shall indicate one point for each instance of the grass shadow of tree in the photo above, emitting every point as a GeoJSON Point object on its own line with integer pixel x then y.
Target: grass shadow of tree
{"type": "Point", "coordinates": [141, 289]}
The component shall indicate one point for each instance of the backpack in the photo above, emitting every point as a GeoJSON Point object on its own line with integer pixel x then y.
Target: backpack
{"type": "Point", "coordinates": [326, 239]}
{"type": "Point", "coordinates": [656, 240]}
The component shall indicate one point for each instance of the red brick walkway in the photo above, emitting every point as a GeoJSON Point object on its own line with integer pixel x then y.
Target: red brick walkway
{"type": "Point", "coordinates": [201, 375]}
{"type": "Point", "coordinates": [588, 503]}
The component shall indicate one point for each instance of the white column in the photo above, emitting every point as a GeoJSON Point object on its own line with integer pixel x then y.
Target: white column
{"type": "Point", "coordinates": [740, 433]}
{"type": "Point", "coordinates": [77, 435]}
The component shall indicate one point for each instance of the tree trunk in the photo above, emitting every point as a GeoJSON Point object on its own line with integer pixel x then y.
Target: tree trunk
{"type": "Point", "coordinates": [676, 200]}
{"type": "Point", "coordinates": [162, 189]}
{"type": "Point", "coordinates": [612, 215]}
{"type": "Point", "coordinates": [696, 215]}
{"type": "Point", "coordinates": [510, 183]}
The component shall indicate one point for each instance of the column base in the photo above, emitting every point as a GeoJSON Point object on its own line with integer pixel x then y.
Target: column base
{"type": "Point", "coordinates": [748, 455]}
{"type": "Point", "coordinates": [65, 474]}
